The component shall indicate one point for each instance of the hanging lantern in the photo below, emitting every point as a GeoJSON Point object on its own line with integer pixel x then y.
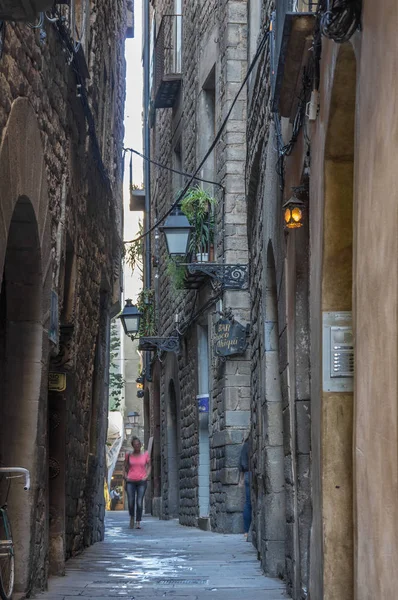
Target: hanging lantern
{"type": "Point", "coordinates": [133, 417]}
{"type": "Point", "coordinates": [130, 318]}
{"type": "Point", "coordinates": [293, 213]}
{"type": "Point", "coordinates": [177, 231]}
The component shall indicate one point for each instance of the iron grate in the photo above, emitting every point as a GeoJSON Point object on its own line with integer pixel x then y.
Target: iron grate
{"type": "Point", "coordinates": [182, 582]}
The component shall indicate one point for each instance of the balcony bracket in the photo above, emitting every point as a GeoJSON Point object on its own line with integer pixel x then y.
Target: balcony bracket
{"type": "Point", "coordinates": [160, 344]}
{"type": "Point", "coordinates": [231, 277]}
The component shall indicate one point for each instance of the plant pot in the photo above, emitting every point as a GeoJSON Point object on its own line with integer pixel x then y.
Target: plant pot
{"type": "Point", "coordinates": [211, 253]}
{"type": "Point", "coordinates": [202, 257]}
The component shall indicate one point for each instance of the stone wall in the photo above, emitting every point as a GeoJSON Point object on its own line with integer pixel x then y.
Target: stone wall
{"type": "Point", "coordinates": [83, 169]}
{"type": "Point", "coordinates": [214, 35]}
{"type": "Point", "coordinates": [280, 408]}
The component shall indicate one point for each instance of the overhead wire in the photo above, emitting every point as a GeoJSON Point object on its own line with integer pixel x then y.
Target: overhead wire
{"type": "Point", "coordinates": [181, 195]}
{"type": "Point", "coordinates": [167, 168]}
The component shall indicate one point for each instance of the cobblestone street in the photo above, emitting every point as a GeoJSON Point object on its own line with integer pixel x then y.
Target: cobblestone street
{"type": "Point", "coordinates": [164, 560]}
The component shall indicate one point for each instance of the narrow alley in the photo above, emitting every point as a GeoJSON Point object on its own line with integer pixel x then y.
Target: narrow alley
{"type": "Point", "coordinates": [164, 560]}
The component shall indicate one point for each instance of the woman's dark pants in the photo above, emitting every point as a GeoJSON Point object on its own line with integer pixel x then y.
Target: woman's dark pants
{"type": "Point", "coordinates": [247, 511]}
{"type": "Point", "coordinates": [136, 488]}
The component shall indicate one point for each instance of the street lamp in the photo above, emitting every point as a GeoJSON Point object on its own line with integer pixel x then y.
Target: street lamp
{"type": "Point", "coordinates": [133, 417]}
{"type": "Point", "coordinates": [177, 231]}
{"type": "Point", "coordinates": [293, 211]}
{"type": "Point", "coordinates": [130, 318]}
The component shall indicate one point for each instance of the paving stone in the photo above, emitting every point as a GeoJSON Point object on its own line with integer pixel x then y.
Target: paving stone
{"type": "Point", "coordinates": [164, 560]}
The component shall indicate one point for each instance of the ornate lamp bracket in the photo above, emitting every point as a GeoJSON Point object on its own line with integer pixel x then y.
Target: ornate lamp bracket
{"type": "Point", "coordinates": [161, 344]}
{"type": "Point", "coordinates": [231, 277]}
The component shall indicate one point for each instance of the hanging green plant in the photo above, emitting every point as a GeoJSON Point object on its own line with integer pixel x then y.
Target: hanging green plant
{"type": "Point", "coordinates": [134, 256]}
{"type": "Point", "coordinates": [146, 306]}
{"type": "Point", "coordinates": [198, 206]}
{"type": "Point", "coordinates": [176, 273]}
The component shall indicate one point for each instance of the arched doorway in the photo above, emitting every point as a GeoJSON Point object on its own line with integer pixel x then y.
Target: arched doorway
{"type": "Point", "coordinates": [173, 453]}
{"type": "Point", "coordinates": [337, 306]}
{"type": "Point", "coordinates": [156, 450]}
{"type": "Point", "coordinates": [22, 388]}
{"type": "Point", "coordinates": [25, 282]}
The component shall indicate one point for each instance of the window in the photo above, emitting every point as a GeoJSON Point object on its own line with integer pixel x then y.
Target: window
{"type": "Point", "coordinates": [178, 36]}
{"type": "Point", "coordinates": [207, 116]}
{"type": "Point", "coordinates": [177, 165]}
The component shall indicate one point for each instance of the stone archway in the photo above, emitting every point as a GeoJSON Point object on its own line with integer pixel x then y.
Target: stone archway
{"type": "Point", "coordinates": [25, 275]}
{"type": "Point", "coordinates": [173, 452]}
{"type": "Point", "coordinates": [156, 450]}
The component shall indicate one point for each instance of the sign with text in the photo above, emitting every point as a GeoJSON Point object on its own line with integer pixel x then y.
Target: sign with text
{"type": "Point", "coordinates": [230, 337]}
{"type": "Point", "coordinates": [56, 381]}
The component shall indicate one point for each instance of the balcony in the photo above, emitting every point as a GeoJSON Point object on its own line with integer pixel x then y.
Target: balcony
{"type": "Point", "coordinates": [294, 28]}
{"type": "Point", "coordinates": [23, 10]}
{"type": "Point", "coordinates": [167, 62]}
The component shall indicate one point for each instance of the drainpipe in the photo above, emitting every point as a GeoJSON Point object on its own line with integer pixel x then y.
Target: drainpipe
{"type": "Point", "coordinates": [147, 167]}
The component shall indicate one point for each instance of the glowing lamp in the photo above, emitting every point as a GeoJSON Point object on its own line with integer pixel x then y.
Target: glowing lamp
{"type": "Point", "coordinates": [293, 213]}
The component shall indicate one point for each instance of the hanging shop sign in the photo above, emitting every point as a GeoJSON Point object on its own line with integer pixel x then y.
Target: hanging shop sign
{"type": "Point", "coordinates": [230, 337]}
{"type": "Point", "coordinates": [203, 403]}
{"type": "Point", "coordinates": [56, 381]}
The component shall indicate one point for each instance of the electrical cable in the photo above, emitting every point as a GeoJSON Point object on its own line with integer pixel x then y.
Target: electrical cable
{"type": "Point", "coordinates": [39, 23]}
{"type": "Point", "coordinates": [185, 326]}
{"type": "Point", "coordinates": [158, 164]}
{"type": "Point", "coordinates": [68, 44]}
{"type": "Point", "coordinates": [50, 19]}
{"type": "Point", "coordinates": [339, 19]}
{"type": "Point", "coordinates": [212, 146]}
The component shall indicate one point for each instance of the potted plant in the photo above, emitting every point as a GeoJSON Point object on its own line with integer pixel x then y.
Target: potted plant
{"type": "Point", "coordinates": [198, 206]}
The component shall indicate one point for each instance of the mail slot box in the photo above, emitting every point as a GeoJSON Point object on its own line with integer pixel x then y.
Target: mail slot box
{"type": "Point", "coordinates": [337, 352]}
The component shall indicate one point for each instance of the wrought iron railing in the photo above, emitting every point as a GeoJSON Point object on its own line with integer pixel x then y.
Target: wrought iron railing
{"type": "Point", "coordinates": [168, 53]}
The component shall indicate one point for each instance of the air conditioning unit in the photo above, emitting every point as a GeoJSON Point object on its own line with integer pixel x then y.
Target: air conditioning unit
{"type": "Point", "coordinates": [23, 10]}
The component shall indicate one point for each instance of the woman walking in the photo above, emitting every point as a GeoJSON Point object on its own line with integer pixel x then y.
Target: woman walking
{"type": "Point", "coordinates": [137, 470]}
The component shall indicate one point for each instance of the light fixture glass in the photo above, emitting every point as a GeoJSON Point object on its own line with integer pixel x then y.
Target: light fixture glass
{"type": "Point", "coordinates": [177, 231]}
{"type": "Point", "coordinates": [133, 417]}
{"type": "Point", "coordinates": [130, 318]}
{"type": "Point", "coordinates": [293, 212]}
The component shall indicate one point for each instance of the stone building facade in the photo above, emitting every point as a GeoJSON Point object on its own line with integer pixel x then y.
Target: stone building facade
{"type": "Point", "coordinates": [61, 123]}
{"type": "Point", "coordinates": [317, 388]}
{"type": "Point", "coordinates": [322, 394]}
{"type": "Point", "coordinates": [196, 454]}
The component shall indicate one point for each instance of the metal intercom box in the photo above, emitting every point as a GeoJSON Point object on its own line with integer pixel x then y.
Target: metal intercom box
{"type": "Point", "coordinates": [337, 352]}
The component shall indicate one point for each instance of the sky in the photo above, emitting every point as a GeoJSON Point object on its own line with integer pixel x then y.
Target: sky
{"type": "Point", "coordinates": [133, 137]}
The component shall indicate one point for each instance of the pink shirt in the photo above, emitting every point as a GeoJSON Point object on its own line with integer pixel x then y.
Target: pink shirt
{"type": "Point", "coordinates": [137, 466]}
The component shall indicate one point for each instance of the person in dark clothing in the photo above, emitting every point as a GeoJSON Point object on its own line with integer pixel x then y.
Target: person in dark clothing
{"type": "Point", "coordinates": [244, 478]}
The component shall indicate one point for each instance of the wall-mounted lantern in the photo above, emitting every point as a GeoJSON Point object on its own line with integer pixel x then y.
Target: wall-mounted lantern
{"type": "Point", "coordinates": [133, 417]}
{"type": "Point", "coordinates": [293, 213]}
{"type": "Point", "coordinates": [177, 231]}
{"type": "Point", "coordinates": [131, 319]}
